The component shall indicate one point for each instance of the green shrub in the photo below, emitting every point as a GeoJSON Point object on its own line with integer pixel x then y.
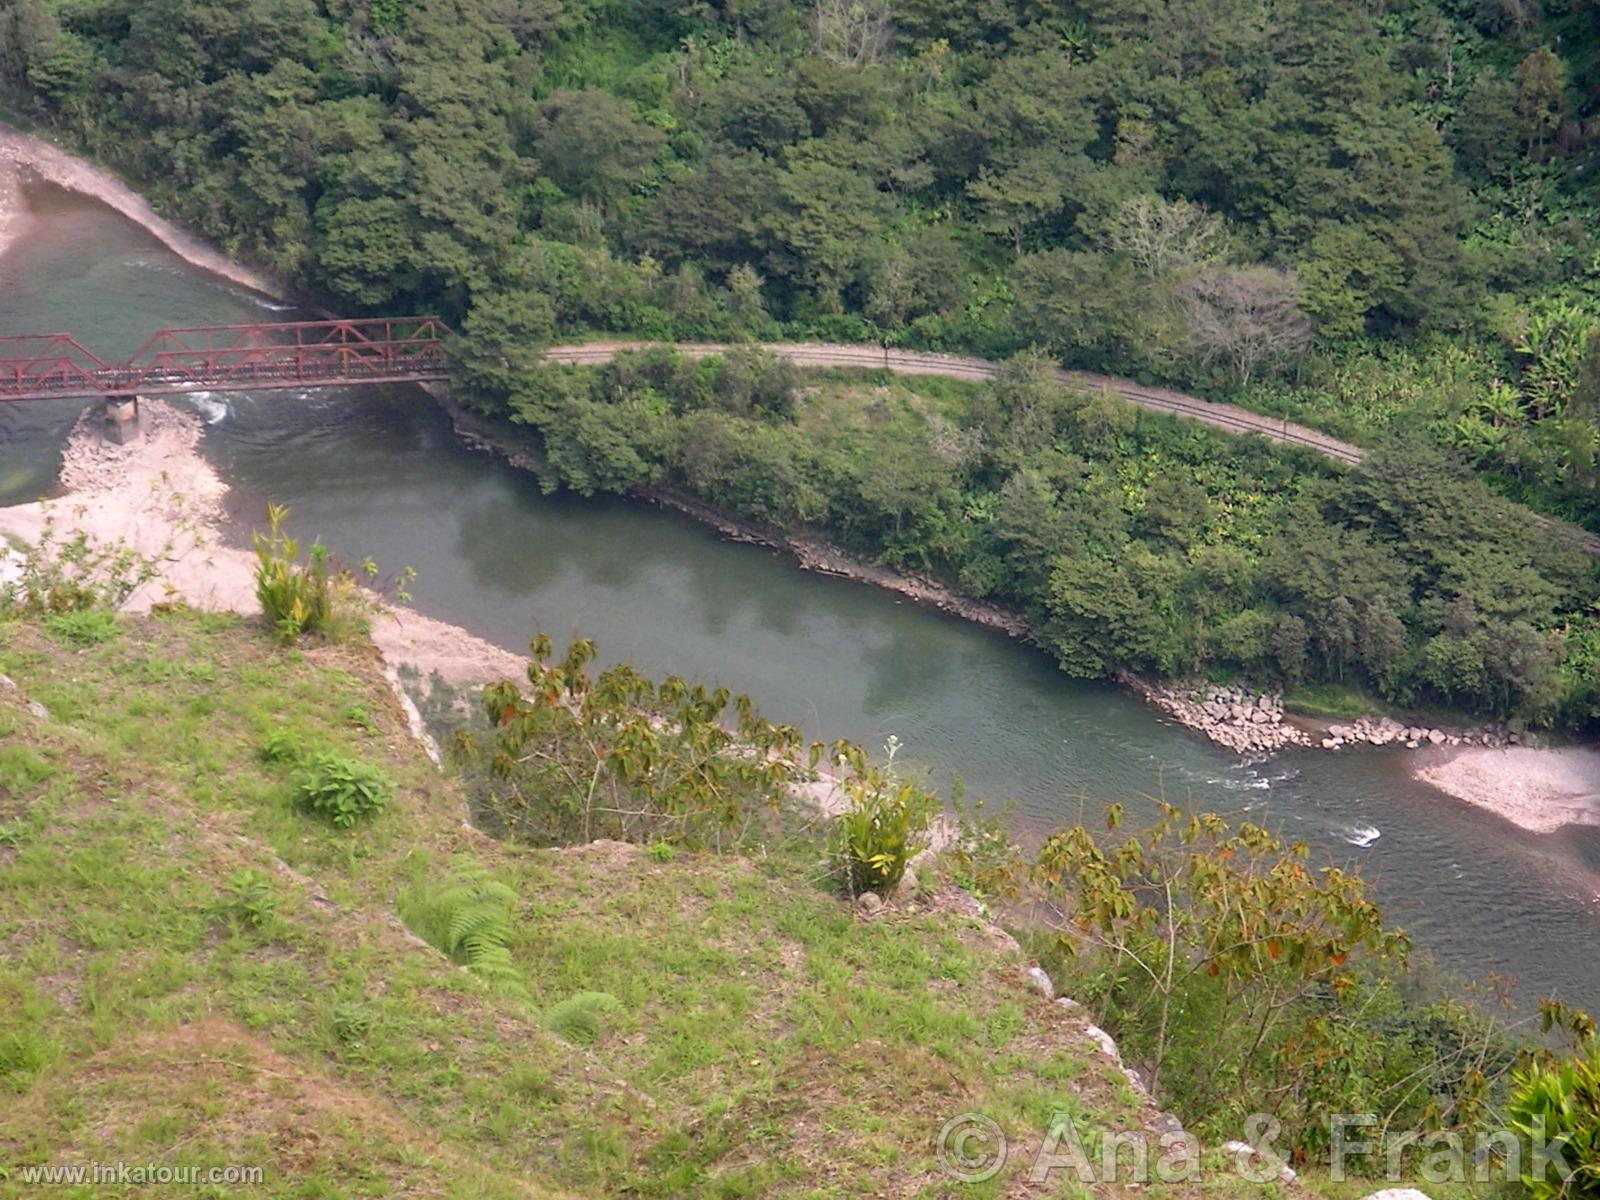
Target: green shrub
{"type": "Point", "coordinates": [82, 627]}
{"type": "Point", "coordinates": [573, 756]}
{"type": "Point", "coordinates": [251, 900]}
{"type": "Point", "coordinates": [982, 858]}
{"type": "Point", "coordinates": [1243, 979]}
{"type": "Point", "coordinates": [361, 717]}
{"type": "Point", "coordinates": [352, 1022]}
{"type": "Point", "coordinates": [73, 575]}
{"type": "Point", "coordinates": [343, 791]}
{"type": "Point", "coordinates": [883, 826]}
{"type": "Point", "coordinates": [1560, 1102]}
{"type": "Point", "coordinates": [577, 1018]}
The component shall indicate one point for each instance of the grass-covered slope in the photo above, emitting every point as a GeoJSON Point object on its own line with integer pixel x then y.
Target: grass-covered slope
{"type": "Point", "coordinates": [193, 971]}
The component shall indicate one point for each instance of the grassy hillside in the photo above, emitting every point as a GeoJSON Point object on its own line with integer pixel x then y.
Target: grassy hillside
{"type": "Point", "coordinates": [193, 971]}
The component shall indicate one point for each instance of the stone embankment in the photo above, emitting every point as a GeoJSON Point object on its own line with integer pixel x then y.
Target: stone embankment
{"type": "Point", "coordinates": [1253, 723]}
{"type": "Point", "coordinates": [1244, 722]}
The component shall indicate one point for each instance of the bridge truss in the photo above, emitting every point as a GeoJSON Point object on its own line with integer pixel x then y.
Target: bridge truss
{"type": "Point", "coordinates": [229, 358]}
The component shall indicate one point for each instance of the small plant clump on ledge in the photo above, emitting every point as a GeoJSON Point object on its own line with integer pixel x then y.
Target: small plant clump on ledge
{"type": "Point", "coordinates": [884, 823]}
{"type": "Point", "coordinates": [314, 597]}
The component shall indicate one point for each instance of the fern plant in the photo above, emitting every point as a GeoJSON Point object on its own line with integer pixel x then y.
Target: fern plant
{"type": "Point", "coordinates": [577, 1018]}
{"type": "Point", "coordinates": [471, 921]}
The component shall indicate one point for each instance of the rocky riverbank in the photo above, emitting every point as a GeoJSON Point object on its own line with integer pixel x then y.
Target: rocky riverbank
{"type": "Point", "coordinates": [1257, 724]}
{"type": "Point", "coordinates": [1386, 731]}
{"type": "Point", "coordinates": [1248, 723]}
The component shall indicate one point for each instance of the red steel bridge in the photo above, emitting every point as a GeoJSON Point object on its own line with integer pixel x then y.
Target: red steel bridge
{"type": "Point", "coordinates": [229, 358]}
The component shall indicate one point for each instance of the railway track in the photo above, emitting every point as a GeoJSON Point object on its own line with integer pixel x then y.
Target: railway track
{"type": "Point", "coordinates": [1227, 417]}
{"type": "Point", "coordinates": [954, 366]}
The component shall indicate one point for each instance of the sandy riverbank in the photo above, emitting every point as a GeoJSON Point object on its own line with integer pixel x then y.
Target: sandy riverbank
{"type": "Point", "coordinates": [13, 206]}
{"type": "Point", "coordinates": [159, 497]}
{"type": "Point", "coordinates": [1540, 790]}
{"type": "Point", "coordinates": [23, 156]}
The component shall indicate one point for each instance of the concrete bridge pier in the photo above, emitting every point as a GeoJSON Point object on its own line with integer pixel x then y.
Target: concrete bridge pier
{"type": "Point", "coordinates": [122, 418]}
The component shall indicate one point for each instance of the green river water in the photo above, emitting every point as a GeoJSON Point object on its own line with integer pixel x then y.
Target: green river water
{"type": "Point", "coordinates": [378, 471]}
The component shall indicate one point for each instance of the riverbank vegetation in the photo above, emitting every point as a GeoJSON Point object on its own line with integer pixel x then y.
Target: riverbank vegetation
{"type": "Point", "coordinates": [1374, 218]}
{"type": "Point", "coordinates": [1129, 541]}
{"type": "Point", "coordinates": [201, 968]}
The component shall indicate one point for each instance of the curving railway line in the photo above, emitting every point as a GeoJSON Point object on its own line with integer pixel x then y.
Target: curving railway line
{"type": "Point", "coordinates": [955, 366]}
{"type": "Point", "coordinates": [1228, 417]}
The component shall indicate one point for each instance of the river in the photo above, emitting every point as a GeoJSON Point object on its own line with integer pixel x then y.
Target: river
{"type": "Point", "coordinates": [377, 471]}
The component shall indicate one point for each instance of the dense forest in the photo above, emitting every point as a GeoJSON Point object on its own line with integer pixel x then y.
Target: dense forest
{"type": "Point", "coordinates": [1375, 217]}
